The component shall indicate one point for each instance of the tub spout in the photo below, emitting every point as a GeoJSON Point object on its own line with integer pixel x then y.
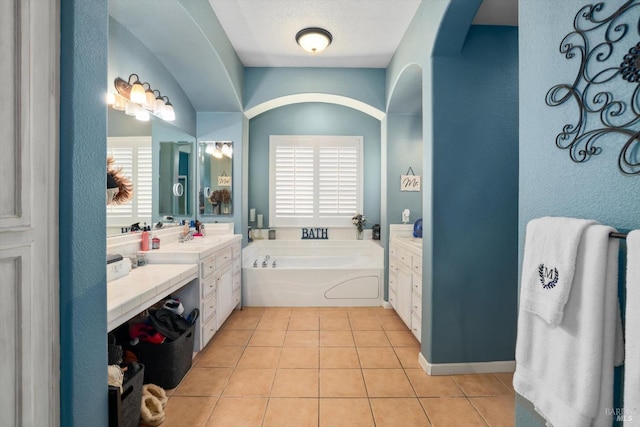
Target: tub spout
{"type": "Point", "coordinates": [265, 262]}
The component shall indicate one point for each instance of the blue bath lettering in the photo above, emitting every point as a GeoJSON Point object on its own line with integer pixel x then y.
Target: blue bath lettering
{"type": "Point", "coordinates": [315, 233]}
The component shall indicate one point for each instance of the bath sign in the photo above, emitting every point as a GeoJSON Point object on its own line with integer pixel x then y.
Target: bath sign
{"type": "Point", "coordinates": [410, 181]}
{"type": "Point", "coordinates": [315, 234]}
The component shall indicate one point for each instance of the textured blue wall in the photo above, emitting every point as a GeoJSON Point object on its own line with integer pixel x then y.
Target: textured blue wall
{"type": "Point", "coordinates": [83, 127]}
{"type": "Point", "coordinates": [550, 184]}
{"type": "Point", "coordinates": [313, 119]}
{"type": "Point", "coordinates": [475, 205]}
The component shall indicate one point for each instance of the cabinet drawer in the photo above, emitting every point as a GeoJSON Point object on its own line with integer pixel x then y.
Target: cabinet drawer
{"type": "Point", "coordinates": [393, 264]}
{"type": "Point", "coordinates": [208, 287]}
{"type": "Point", "coordinates": [208, 310]}
{"type": "Point", "coordinates": [208, 331]}
{"type": "Point", "coordinates": [417, 265]}
{"type": "Point", "coordinates": [236, 298]}
{"type": "Point", "coordinates": [404, 259]}
{"type": "Point", "coordinates": [416, 328]}
{"type": "Point", "coordinates": [417, 285]}
{"type": "Point", "coordinates": [392, 299]}
{"type": "Point", "coordinates": [237, 250]}
{"type": "Point", "coordinates": [236, 265]}
{"type": "Point", "coordinates": [223, 257]}
{"type": "Point", "coordinates": [237, 281]}
{"type": "Point", "coordinates": [208, 266]}
{"type": "Point", "coordinates": [393, 282]}
{"type": "Point", "coordinates": [416, 306]}
{"type": "Point", "coordinates": [393, 250]}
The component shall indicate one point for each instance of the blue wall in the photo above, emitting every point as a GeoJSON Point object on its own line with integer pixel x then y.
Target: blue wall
{"type": "Point", "coordinates": [550, 183]}
{"type": "Point", "coordinates": [82, 210]}
{"type": "Point", "coordinates": [313, 119]}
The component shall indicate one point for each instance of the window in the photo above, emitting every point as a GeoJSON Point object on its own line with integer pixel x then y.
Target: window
{"type": "Point", "coordinates": [314, 180]}
{"type": "Point", "coordinates": [133, 155]}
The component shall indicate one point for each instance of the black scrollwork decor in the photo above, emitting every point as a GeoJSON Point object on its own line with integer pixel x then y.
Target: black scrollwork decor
{"type": "Point", "coordinates": [606, 89]}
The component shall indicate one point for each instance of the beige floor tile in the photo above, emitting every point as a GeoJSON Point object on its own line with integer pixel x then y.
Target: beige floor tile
{"type": "Point", "coordinates": [402, 338]}
{"type": "Point", "coordinates": [408, 356]}
{"type": "Point", "coordinates": [342, 383]}
{"type": "Point", "coordinates": [451, 412]}
{"type": "Point", "coordinates": [238, 412]}
{"type": "Point", "coordinates": [232, 337]}
{"type": "Point", "coordinates": [363, 311]}
{"type": "Point", "coordinates": [336, 339]}
{"type": "Point", "coordinates": [204, 382]}
{"type": "Point", "coordinates": [497, 411]}
{"type": "Point", "coordinates": [250, 311]}
{"type": "Point", "coordinates": [339, 357]}
{"type": "Point", "coordinates": [334, 312]}
{"type": "Point", "coordinates": [250, 383]}
{"type": "Point", "coordinates": [291, 412]}
{"type": "Point", "coordinates": [260, 357]}
{"type": "Point", "coordinates": [295, 383]}
{"type": "Point", "coordinates": [335, 323]}
{"type": "Point", "coordinates": [395, 412]}
{"type": "Point", "coordinates": [298, 357]}
{"type": "Point", "coordinates": [370, 339]}
{"type": "Point", "coordinates": [271, 312]}
{"type": "Point", "coordinates": [188, 411]}
{"type": "Point", "coordinates": [220, 357]}
{"type": "Point", "coordinates": [241, 322]}
{"type": "Point", "coordinates": [387, 383]}
{"type": "Point", "coordinates": [378, 357]}
{"type": "Point", "coordinates": [305, 311]}
{"type": "Point", "coordinates": [352, 412]}
{"type": "Point", "coordinates": [384, 312]}
{"type": "Point", "coordinates": [392, 323]}
{"type": "Point", "coordinates": [365, 323]}
{"type": "Point", "coordinates": [506, 378]}
{"type": "Point", "coordinates": [301, 339]}
{"type": "Point", "coordinates": [474, 385]}
{"type": "Point", "coordinates": [275, 323]}
{"type": "Point", "coordinates": [432, 385]}
{"type": "Point", "coordinates": [304, 323]}
{"type": "Point", "coordinates": [267, 338]}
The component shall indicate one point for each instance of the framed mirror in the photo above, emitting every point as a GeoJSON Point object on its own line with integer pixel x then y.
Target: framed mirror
{"type": "Point", "coordinates": [215, 185]}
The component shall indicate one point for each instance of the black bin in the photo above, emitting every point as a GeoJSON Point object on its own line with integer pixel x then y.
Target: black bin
{"type": "Point", "coordinates": [124, 408]}
{"type": "Point", "coordinates": [167, 363]}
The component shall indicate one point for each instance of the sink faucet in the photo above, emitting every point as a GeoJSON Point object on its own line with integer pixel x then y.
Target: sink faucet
{"type": "Point", "coordinates": [266, 260]}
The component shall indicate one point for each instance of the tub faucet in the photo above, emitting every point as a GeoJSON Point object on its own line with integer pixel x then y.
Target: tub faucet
{"type": "Point", "coordinates": [266, 260]}
{"type": "Point", "coordinates": [255, 263]}
{"type": "Point", "coordinates": [274, 264]}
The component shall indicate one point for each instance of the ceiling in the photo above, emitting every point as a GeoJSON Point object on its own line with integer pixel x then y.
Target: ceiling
{"type": "Point", "coordinates": [366, 33]}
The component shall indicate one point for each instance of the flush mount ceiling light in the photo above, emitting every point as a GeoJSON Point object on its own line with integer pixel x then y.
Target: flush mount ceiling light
{"type": "Point", "coordinates": [139, 100]}
{"type": "Point", "coordinates": [314, 39]}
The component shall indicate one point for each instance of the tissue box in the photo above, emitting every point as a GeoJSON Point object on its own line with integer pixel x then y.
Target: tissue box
{"type": "Point", "coordinates": [118, 269]}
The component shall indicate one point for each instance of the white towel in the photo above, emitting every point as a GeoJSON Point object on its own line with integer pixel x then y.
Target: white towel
{"type": "Point", "coordinates": [566, 371]}
{"type": "Point", "coordinates": [632, 336]}
{"type": "Point", "coordinates": [550, 249]}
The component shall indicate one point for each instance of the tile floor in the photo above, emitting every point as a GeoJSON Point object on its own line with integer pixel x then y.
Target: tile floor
{"type": "Point", "coordinates": [328, 367]}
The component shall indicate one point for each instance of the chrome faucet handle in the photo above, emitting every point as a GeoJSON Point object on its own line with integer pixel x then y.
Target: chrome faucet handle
{"type": "Point", "coordinates": [274, 264]}
{"type": "Point", "coordinates": [255, 263]}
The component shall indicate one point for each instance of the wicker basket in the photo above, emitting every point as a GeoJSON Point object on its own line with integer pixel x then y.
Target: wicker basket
{"type": "Point", "coordinates": [167, 363]}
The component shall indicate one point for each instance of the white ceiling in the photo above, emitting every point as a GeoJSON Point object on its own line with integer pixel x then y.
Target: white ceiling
{"type": "Point", "coordinates": [366, 33]}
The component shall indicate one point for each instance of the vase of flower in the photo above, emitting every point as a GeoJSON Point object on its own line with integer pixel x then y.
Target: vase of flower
{"type": "Point", "coordinates": [359, 220]}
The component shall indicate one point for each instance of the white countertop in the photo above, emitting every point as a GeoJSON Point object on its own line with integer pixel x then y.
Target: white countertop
{"type": "Point", "coordinates": [198, 248]}
{"type": "Point", "coordinates": [143, 287]}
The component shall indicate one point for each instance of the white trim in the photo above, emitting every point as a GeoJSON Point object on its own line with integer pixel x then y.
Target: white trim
{"type": "Point", "coordinates": [314, 97]}
{"type": "Point", "coordinates": [466, 368]}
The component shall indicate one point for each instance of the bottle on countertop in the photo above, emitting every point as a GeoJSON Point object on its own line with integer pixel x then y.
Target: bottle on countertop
{"type": "Point", "coordinates": [155, 242]}
{"type": "Point", "coordinates": [144, 240]}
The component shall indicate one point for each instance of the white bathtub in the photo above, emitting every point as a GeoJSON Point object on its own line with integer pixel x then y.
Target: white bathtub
{"type": "Point", "coordinates": [308, 273]}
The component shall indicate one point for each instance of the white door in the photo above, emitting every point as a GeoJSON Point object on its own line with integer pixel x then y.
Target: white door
{"type": "Point", "coordinates": [29, 319]}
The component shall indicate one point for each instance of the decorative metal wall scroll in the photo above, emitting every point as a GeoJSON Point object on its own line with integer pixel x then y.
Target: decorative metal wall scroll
{"type": "Point", "coordinates": [606, 89]}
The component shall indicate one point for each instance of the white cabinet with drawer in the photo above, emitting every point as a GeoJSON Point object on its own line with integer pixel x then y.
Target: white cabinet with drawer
{"type": "Point", "coordinates": [405, 283]}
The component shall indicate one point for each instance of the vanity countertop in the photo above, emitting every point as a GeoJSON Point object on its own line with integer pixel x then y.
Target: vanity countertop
{"type": "Point", "coordinates": [402, 234]}
{"type": "Point", "coordinates": [201, 247]}
{"type": "Point", "coordinates": [143, 287]}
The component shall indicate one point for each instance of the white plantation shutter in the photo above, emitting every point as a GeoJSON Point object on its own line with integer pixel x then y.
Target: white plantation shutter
{"type": "Point", "coordinates": [134, 156]}
{"type": "Point", "coordinates": [314, 180]}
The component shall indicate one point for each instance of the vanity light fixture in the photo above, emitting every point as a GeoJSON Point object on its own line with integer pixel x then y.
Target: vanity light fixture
{"type": "Point", "coordinates": [218, 149]}
{"type": "Point", "coordinates": [314, 39]}
{"type": "Point", "coordinates": [140, 100]}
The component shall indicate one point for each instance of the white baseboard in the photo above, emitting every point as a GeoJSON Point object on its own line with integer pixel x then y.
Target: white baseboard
{"type": "Point", "coordinates": [386, 304]}
{"type": "Point", "coordinates": [466, 368]}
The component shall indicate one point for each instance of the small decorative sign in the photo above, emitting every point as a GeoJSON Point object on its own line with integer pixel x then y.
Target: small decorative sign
{"type": "Point", "coordinates": [315, 234]}
{"type": "Point", "coordinates": [410, 182]}
{"type": "Point", "coordinates": [224, 181]}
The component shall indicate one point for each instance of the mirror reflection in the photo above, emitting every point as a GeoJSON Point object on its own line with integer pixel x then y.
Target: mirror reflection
{"type": "Point", "coordinates": [215, 190]}
{"type": "Point", "coordinates": [175, 178]}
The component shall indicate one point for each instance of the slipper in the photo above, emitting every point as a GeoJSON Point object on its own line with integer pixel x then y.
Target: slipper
{"type": "Point", "coordinates": [157, 392]}
{"type": "Point", "coordinates": [151, 412]}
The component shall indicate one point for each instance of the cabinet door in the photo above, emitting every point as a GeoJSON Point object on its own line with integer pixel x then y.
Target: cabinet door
{"type": "Point", "coordinates": [224, 282]}
{"type": "Point", "coordinates": [403, 295]}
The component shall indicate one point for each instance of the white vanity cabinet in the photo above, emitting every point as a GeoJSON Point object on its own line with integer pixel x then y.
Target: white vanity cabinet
{"type": "Point", "coordinates": [218, 292]}
{"type": "Point", "coordinates": [405, 282]}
